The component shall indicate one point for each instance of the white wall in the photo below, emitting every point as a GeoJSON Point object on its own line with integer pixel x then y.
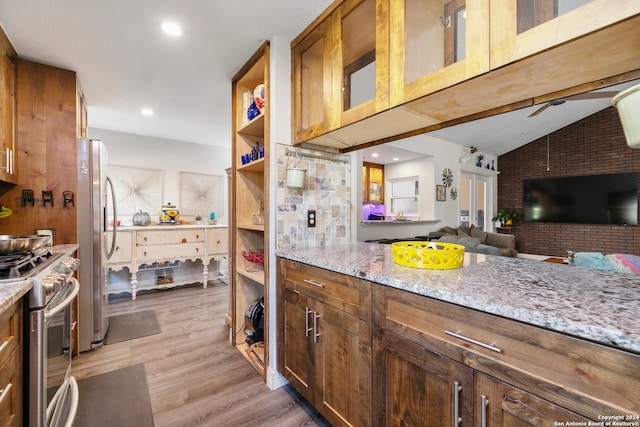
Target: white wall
{"type": "Point", "coordinates": [171, 156]}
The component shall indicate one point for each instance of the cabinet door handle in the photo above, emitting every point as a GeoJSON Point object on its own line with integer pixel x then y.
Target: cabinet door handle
{"type": "Point", "coordinates": [456, 404]}
{"type": "Point", "coordinates": [311, 282]}
{"type": "Point", "coordinates": [316, 316]}
{"type": "Point", "coordinates": [483, 410]}
{"type": "Point", "coordinates": [5, 392]}
{"type": "Point", "coordinates": [471, 340]}
{"type": "Point", "coordinates": [307, 329]}
{"type": "Point", "coordinates": [4, 345]}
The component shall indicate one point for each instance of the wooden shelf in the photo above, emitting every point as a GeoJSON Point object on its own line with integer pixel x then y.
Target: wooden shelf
{"type": "Point", "coordinates": [250, 226]}
{"type": "Point", "coordinates": [254, 128]}
{"type": "Point", "coordinates": [256, 276]}
{"type": "Point", "coordinates": [254, 166]}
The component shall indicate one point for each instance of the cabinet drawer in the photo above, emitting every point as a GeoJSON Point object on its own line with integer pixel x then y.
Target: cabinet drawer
{"type": "Point", "coordinates": [169, 252]}
{"type": "Point", "coordinates": [218, 241]}
{"type": "Point", "coordinates": [11, 391]}
{"type": "Point", "coordinates": [124, 247]}
{"type": "Point", "coordinates": [10, 331]}
{"type": "Point", "coordinates": [341, 291]}
{"type": "Point", "coordinates": [164, 237]}
{"type": "Point", "coordinates": [588, 378]}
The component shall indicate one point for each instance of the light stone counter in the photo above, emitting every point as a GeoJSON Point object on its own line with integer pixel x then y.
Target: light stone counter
{"type": "Point", "coordinates": [11, 290]}
{"type": "Point", "coordinates": [591, 304]}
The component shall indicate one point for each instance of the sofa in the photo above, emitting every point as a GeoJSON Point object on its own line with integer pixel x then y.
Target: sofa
{"type": "Point", "coordinates": [476, 240]}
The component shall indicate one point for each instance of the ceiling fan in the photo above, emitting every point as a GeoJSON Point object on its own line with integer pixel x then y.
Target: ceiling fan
{"type": "Point", "coordinates": [577, 97]}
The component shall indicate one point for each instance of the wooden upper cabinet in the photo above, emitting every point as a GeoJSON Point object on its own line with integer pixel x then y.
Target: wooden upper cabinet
{"type": "Point", "coordinates": [520, 28]}
{"type": "Point", "coordinates": [8, 156]}
{"type": "Point", "coordinates": [311, 79]}
{"type": "Point", "coordinates": [436, 44]}
{"type": "Point", "coordinates": [372, 183]}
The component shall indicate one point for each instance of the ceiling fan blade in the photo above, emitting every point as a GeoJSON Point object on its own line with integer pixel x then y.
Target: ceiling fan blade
{"type": "Point", "coordinates": [592, 95]}
{"type": "Point", "coordinates": [539, 110]}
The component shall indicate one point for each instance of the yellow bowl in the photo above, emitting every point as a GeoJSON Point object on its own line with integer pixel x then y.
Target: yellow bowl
{"type": "Point", "coordinates": [433, 255]}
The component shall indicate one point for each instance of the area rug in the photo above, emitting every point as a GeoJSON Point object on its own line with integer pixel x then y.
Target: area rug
{"type": "Point", "coordinates": [118, 398]}
{"type": "Point", "coordinates": [125, 327]}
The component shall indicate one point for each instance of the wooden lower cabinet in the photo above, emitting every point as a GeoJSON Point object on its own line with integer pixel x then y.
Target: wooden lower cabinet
{"type": "Point", "coordinates": [416, 387]}
{"type": "Point", "coordinates": [11, 375]}
{"type": "Point", "coordinates": [327, 358]}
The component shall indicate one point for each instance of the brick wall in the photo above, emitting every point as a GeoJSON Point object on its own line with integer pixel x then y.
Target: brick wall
{"type": "Point", "coordinates": [594, 145]}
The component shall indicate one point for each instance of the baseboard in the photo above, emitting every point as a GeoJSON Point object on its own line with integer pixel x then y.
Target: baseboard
{"type": "Point", "coordinates": [275, 380]}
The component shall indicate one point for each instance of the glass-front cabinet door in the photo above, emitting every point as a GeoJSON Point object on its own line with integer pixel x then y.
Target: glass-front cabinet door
{"type": "Point", "coordinates": [435, 44]}
{"type": "Point", "coordinates": [311, 64]}
{"type": "Point", "coordinates": [362, 64]}
{"type": "Point", "coordinates": [520, 28]}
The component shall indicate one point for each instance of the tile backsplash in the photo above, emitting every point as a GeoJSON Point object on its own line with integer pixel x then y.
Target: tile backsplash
{"type": "Point", "coordinates": [327, 190]}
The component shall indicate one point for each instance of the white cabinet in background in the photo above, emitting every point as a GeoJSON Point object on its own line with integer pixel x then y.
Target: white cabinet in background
{"type": "Point", "coordinates": [159, 257]}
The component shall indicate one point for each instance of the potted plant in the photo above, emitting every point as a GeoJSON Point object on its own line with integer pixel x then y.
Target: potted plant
{"type": "Point", "coordinates": [506, 216]}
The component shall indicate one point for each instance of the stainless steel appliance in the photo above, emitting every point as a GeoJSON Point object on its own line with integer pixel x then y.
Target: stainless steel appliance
{"type": "Point", "coordinates": [96, 203]}
{"type": "Point", "coordinates": [52, 393]}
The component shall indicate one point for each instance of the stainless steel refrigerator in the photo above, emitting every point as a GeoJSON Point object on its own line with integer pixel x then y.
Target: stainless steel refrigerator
{"type": "Point", "coordinates": [95, 205]}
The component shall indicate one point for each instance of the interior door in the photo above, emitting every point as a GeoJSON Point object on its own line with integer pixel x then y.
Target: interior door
{"type": "Point", "coordinates": [474, 201]}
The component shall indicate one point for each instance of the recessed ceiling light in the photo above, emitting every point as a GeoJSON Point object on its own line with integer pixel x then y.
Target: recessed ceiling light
{"type": "Point", "coordinates": [395, 159]}
{"type": "Point", "coordinates": [374, 155]}
{"type": "Point", "coordinates": [147, 112]}
{"type": "Point", "coordinates": [171, 28]}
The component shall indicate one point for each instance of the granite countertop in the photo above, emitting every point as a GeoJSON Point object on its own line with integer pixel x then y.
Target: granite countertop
{"type": "Point", "coordinates": [591, 304]}
{"type": "Point", "coordinates": [11, 290]}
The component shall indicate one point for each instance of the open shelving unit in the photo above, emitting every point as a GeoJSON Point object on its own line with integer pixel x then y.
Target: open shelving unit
{"type": "Point", "coordinates": [250, 185]}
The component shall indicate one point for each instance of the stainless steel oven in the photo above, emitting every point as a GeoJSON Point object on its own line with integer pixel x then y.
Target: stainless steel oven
{"type": "Point", "coordinates": [52, 393]}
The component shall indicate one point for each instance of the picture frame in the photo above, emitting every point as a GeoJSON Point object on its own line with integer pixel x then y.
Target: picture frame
{"type": "Point", "coordinates": [441, 193]}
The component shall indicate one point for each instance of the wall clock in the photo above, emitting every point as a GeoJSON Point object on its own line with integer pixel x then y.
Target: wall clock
{"type": "Point", "coordinates": [447, 177]}
{"type": "Point", "coordinates": [454, 193]}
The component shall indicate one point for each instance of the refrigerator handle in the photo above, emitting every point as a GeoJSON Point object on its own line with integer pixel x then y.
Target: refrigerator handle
{"type": "Point", "coordinates": [115, 221]}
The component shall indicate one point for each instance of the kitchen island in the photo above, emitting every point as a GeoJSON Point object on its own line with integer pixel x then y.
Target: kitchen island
{"type": "Point", "coordinates": [563, 340]}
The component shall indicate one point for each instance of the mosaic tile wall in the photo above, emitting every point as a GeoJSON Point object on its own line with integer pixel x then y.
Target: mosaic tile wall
{"type": "Point", "coordinates": [327, 190]}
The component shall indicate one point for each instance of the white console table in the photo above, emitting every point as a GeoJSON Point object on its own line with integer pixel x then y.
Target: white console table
{"type": "Point", "coordinates": [162, 247]}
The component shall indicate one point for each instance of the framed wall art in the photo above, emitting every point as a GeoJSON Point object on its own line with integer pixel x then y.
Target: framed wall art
{"type": "Point", "coordinates": [441, 193]}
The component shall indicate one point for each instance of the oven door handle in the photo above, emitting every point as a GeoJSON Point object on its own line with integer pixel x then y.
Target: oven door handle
{"type": "Point", "coordinates": [53, 410]}
{"type": "Point", "coordinates": [65, 302]}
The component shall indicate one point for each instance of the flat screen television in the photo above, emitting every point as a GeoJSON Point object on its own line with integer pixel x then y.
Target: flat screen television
{"type": "Point", "coordinates": [591, 199]}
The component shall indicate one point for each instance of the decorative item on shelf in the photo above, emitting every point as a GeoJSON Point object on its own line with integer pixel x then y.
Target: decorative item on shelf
{"type": "Point", "coordinates": [169, 214]}
{"type": "Point", "coordinates": [47, 197]}
{"type": "Point", "coordinates": [479, 160]}
{"type": "Point", "coordinates": [68, 198]}
{"type": "Point", "coordinates": [27, 197]}
{"type": "Point", "coordinates": [488, 166]}
{"type": "Point", "coordinates": [447, 177]}
{"type": "Point", "coordinates": [255, 152]}
{"type": "Point", "coordinates": [141, 219]}
{"type": "Point", "coordinates": [198, 218]}
{"type": "Point", "coordinates": [441, 193]}
{"type": "Point", "coordinates": [506, 216]}
{"type": "Point", "coordinates": [212, 218]}
{"type": "Point", "coordinates": [247, 100]}
{"type": "Point", "coordinates": [254, 258]}
{"type": "Point", "coordinates": [164, 276]}
{"type": "Point", "coordinates": [258, 97]}
{"type": "Point", "coordinates": [493, 167]}
{"type": "Point", "coordinates": [454, 193]}
{"type": "Point", "coordinates": [258, 217]}
{"type": "Point", "coordinates": [253, 111]}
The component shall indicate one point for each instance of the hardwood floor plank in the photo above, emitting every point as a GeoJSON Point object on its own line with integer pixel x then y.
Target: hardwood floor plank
{"type": "Point", "coordinates": [196, 378]}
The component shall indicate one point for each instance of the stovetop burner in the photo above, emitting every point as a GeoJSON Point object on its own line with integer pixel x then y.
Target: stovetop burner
{"type": "Point", "coordinates": [18, 265]}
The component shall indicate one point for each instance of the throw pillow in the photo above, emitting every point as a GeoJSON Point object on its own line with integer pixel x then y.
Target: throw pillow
{"type": "Point", "coordinates": [592, 260]}
{"type": "Point", "coordinates": [478, 233]}
{"type": "Point", "coordinates": [462, 232]}
{"type": "Point", "coordinates": [624, 263]}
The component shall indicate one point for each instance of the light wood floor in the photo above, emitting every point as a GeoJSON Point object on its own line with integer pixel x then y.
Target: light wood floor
{"type": "Point", "coordinates": [196, 378]}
